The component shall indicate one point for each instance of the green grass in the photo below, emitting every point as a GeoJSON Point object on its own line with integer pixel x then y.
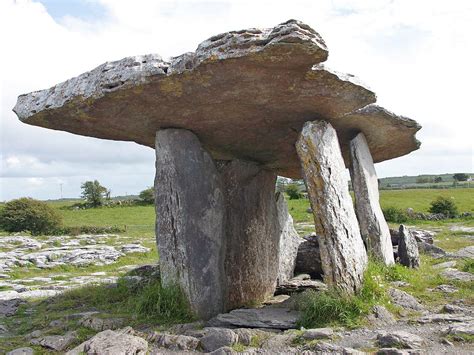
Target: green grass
{"type": "Point", "coordinates": [144, 305]}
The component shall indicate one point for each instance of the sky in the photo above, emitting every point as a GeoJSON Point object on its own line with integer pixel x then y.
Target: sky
{"type": "Point", "coordinates": [416, 55]}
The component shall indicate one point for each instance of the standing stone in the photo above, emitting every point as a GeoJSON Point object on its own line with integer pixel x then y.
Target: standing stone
{"type": "Point", "coordinates": [190, 220]}
{"type": "Point", "coordinates": [408, 248]}
{"type": "Point", "coordinates": [373, 227]}
{"type": "Point", "coordinates": [289, 241]}
{"type": "Point", "coordinates": [252, 232]}
{"type": "Point", "coordinates": [343, 254]}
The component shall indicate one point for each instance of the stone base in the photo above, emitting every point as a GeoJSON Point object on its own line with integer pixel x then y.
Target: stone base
{"type": "Point", "coordinates": [217, 225]}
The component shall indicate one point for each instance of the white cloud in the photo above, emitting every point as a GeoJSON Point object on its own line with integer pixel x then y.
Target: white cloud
{"type": "Point", "coordinates": [417, 56]}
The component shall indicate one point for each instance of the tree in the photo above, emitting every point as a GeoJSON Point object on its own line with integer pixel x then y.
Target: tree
{"type": "Point", "coordinates": [27, 214]}
{"type": "Point", "coordinates": [460, 177]}
{"type": "Point", "coordinates": [438, 179]}
{"type": "Point", "coordinates": [445, 206]}
{"type": "Point", "coordinates": [93, 192]}
{"type": "Point", "coordinates": [293, 191]}
{"type": "Point", "coordinates": [147, 196]}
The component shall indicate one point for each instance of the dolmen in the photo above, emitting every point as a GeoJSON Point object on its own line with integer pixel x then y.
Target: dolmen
{"type": "Point", "coordinates": [224, 121]}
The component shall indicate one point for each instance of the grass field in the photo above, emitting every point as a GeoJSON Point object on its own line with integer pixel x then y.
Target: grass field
{"type": "Point", "coordinates": [418, 199]}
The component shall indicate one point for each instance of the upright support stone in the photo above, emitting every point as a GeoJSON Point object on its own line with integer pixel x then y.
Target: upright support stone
{"type": "Point", "coordinates": [289, 241]}
{"type": "Point", "coordinates": [373, 227]}
{"type": "Point", "coordinates": [343, 255]}
{"type": "Point", "coordinates": [252, 232]}
{"type": "Point", "coordinates": [190, 220]}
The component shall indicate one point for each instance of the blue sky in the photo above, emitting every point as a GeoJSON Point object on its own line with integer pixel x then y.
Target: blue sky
{"type": "Point", "coordinates": [416, 55]}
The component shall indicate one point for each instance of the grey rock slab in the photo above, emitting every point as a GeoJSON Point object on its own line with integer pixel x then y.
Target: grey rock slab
{"type": "Point", "coordinates": [373, 227]}
{"type": "Point", "coordinates": [318, 333]}
{"type": "Point", "coordinates": [266, 317]}
{"type": "Point", "coordinates": [327, 348]}
{"type": "Point", "coordinates": [271, 78]}
{"type": "Point", "coordinates": [408, 248]}
{"type": "Point", "coordinates": [381, 316]}
{"type": "Point", "coordinates": [467, 252]}
{"type": "Point", "coordinates": [252, 232]}
{"type": "Point", "coordinates": [444, 317]}
{"type": "Point", "coordinates": [98, 323]}
{"type": "Point", "coordinates": [400, 339]}
{"type": "Point", "coordinates": [445, 265]}
{"type": "Point", "coordinates": [455, 274]}
{"type": "Point", "coordinates": [56, 342]}
{"type": "Point", "coordinates": [343, 255]}
{"type": "Point", "coordinates": [460, 329]}
{"type": "Point", "coordinates": [215, 338]}
{"type": "Point", "coordinates": [296, 285]}
{"type": "Point", "coordinates": [404, 300]}
{"type": "Point", "coordinates": [190, 220]}
{"type": "Point", "coordinates": [422, 235]}
{"type": "Point", "coordinates": [289, 241]}
{"type": "Point", "coordinates": [8, 307]}
{"type": "Point", "coordinates": [134, 248]}
{"type": "Point", "coordinates": [308, 258]}
{"type": "Point", "coordinates": [174, 342]}
{"type": "Point", "coordinates": [111, 342]}
{"type": "Point", "coordinates": [22, 351]}
{"type": "Point", "coordinates": [431, 249]}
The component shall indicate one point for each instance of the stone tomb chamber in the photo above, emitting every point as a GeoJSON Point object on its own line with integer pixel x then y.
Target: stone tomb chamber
{"type": "Point", "coordinates": [224, 121]}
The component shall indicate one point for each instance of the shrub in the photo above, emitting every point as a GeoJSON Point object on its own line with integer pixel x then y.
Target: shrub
{"type": "Point", "coordinates": [27, 214]}
{"type": "Point", "coordinates": [445, 206]}
{"type": "Point", "coordinates": [147, 196]}
{"type": "Point", "coordinates": [293, 191]}
{"type": "Point", "coordinates": [395, 215]}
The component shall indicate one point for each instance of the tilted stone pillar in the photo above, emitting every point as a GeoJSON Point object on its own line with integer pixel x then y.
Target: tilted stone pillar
{"type": "Point", "coordinates": [373, 227]}
{"type": "Point", "coordinates": [216, 224]}
{"type": "Point", "coordinates": [190, 218]}
{"type": "Point", "coordinates": [252, 232]}
{"type": "Point", "coordinates": [343, 254]}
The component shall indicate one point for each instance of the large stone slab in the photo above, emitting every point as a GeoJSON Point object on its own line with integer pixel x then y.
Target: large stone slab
{"type": "Point", "coordinates": [190, 222]}
{"type": "Point", "coordinates": [373, 227]}
{"type": "Point", "coordinates": [289, 241]}
{"type": "Point", "coordinates": [266, 317]}
{"type": "Point", "coordinates": [245, 94]}
{"type": "Point", "coordinates": [408, 248]}
{"type": "Point", "coordinates": [343, 253]}
{"type": "Point", "coordinates": [252, 232]}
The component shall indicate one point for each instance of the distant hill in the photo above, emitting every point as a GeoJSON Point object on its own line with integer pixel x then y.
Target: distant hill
{"type": "Point", "coordinates": [424, 180]}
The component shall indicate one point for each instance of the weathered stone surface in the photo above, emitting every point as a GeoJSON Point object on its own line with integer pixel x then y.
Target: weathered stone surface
{"type": "Point", "coordinates": [318, 333]}
{"type": "Point", "coordinates": [296, 285]}
{"type": "Point", "coordinates": [430, 249]}
{"type": "Point", "coordinates": [467, 252]}
{"type": "Point", "coordinates": [272, 78]}
{"type": "Point", "coordinates": [266, 317]}
{"type": "Point", "coordinates": [174, 342]}
{"type": "Point", "coordinates": [308, 259]}
{"type": "Point", "coordinates": [373, 227]}
{"type": "Point", "coordinates": [404, 300]}
{"type": "Point", "coordinates": [343, 253]}
{"type": "Point", "coordinates": [381, 316]}
{"type": "Point", "coordinates": [400, 339]}
{"type": "Point", "coordinates": [289, 241]}
{"type": "Point", "coordinates": [422, 235]}
{"type": "Point", "coordinates": [252, 233]}
{"type": "Point", "coordinates": [56, 342]}
{"type": "Point", "coordinates": [455, 274]}
{"type": "Point", "coordinates": [99, 323]}
{"type": "Point", "coordinates": [110, 342]}
{"type": "Point", "coordinates": [445, 265]}
{"type": "Point", "coordinates": [21, 351]}
{"type": "Point", "coordinates": [444, 317]}
{"type": "Point", "coordinates": [216, 338]}
{"type": "Point", "coordinates": [9, 307]}
{"type": "Point", "coordinates": [408, 248]}
{"type": "Point", "coordinates": [190, 220]}
{"type": "Point", "coordinates": [461, 329]}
